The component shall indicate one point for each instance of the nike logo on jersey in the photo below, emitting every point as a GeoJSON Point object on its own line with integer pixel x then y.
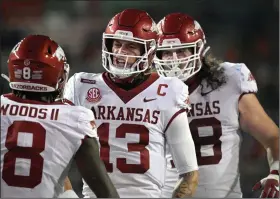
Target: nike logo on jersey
{"type": "Point", "coordinates": [148, 100]}
{"type": "Point", "coordinates": [203, 94]}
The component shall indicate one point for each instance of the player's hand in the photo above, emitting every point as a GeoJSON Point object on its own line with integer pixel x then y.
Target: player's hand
{"type": "Point", "coordinates": [67, 184]}
{"type": "Point", "coordinates": [269, 185]}
{"type": "Point", "coordinates": [68, 190]}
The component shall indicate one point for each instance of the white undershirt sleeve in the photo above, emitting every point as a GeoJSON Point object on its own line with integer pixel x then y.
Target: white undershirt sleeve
{"type": "Point", "coordinates": [181, 144]}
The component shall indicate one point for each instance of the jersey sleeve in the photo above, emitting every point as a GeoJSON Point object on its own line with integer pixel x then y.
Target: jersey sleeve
{"type": "Point", "coordinates": [178, 101]}
{"type": "Point", "coordinates": [182, 96]}
{"type": "Point", "coordinates": [86, 122]}
{"type": "Point", "coordinates": [244, 79]}
{"type": "Point", "coordinates": [76, 85]}
{"type": "Point", "coordinates": [69, 90]}
{"type": "Point", "coordinates": [248, 83]}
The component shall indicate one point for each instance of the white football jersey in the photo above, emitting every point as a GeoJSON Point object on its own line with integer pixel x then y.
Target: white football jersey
{"type": "Point", "coordinates": [131, 126]}
{"type": "Point", "coordinates": [38, 141]}
{"type": "Point", "coordinates": [214, 124]}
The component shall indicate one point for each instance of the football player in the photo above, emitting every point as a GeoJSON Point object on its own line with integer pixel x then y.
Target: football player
{"type": "Point", "coordinates": [223, 103]}
{"type": "Point", "coordinates": [41, 134]}
{"type": "Point", "coordinates": [132, 117]}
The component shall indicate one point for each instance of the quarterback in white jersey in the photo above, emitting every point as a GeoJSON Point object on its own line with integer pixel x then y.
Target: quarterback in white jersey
{"type": "Point", "coordinates": [40, 136]}
{"type": "Point", "coordinates": [222, 103]}
{"type": "Point", "coordinates": [136, 113]}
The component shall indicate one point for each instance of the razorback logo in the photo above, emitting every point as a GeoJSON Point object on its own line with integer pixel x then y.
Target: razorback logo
{"type": "Point", "coordinates": [196, 26]}
{"type": "Point", "coordinates": [187, 101]}
{"type": "Point", "coordinates": [59, 53]}
{"type": "Point", "coordinates": [154, 27]}
{"type": "Point", "coordinates": [251, 77]}
{"type": "Point", "coordinates": [16, 47]}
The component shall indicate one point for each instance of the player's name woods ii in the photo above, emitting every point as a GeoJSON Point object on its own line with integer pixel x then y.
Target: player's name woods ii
{"type": "Point", "coordinates": [29, 111]}
{"type": "Point", "coordinates": [126, 114]}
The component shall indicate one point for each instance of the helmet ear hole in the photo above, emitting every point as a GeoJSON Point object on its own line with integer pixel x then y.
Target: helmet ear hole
{"type": "Point", "coordinates": [49, 50]}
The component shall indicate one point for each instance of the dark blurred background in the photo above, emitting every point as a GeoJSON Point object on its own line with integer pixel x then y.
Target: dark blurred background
{"type": "Point", "coordinates": [238, 31]}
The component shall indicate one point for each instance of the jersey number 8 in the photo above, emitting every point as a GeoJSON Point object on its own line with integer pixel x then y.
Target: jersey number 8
{"type": "Point", "coordinates": [21, 155]}
{"type": "Point", "coordinates": [201, 141]}
{"type": "Point", "coordinates": [26, 73]}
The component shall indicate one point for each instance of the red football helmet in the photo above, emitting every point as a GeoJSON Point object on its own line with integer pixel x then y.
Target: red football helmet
{"type": "Point", "coordinates": [179, 31]}
{"type": "Point", "coordinates": [135, 26]}
{"type": "Point", "coordinates": [38, 64]}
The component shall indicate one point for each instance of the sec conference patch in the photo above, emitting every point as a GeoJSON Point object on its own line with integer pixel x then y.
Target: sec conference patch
{"type": "Point", "coordinates": [93, 95]}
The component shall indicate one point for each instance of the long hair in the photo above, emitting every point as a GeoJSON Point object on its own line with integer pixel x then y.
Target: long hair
{"type": "Point", "coordinates": [212, 72]}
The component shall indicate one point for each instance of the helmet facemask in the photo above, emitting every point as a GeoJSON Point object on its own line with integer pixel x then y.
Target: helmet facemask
{"type": "Point", "coordinates": [182, 68]}
{"type": "Point", "coordinates": [142, 63]}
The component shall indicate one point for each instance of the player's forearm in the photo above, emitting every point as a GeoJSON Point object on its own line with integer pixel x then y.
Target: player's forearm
{"type": "Point", "coordinates": [254, 120]}
{"type": "Point", "coordinates": [267, 133]}
{"type": "Point", "coordinates": [262, 128]}
{"type": "Point", "coordinates": [186, 186]}
{"type": "Point", "coordinates": [93, 170]}
{"type": "Point", "coordinates": [268, 136]}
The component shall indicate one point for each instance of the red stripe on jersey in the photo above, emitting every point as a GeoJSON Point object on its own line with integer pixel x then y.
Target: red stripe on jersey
{"type": "Point", "coordinates": [245, 94]}
{"type": "Point", "coordinates": [275, 172]}
{"type": "Point", "coordinates": [173, 117]}
{"type": "Point", "coordinates": [125, 95]}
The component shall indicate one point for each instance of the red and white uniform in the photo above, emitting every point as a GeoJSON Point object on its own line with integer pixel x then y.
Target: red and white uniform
{"type": "Point", "coordinates": [38, 141]}
{"type": "Point", "coordinates": [215, 129]}
{"type": "Point", "coordinates": [132, 127]}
